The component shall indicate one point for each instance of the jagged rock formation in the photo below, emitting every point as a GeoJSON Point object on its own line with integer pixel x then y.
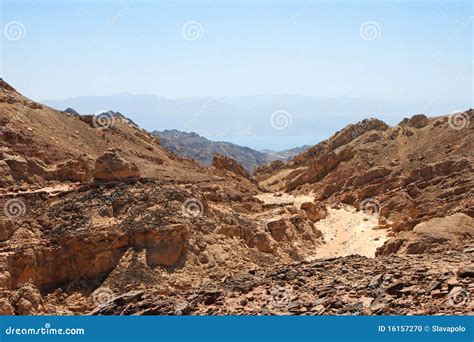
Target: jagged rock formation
{"type": "Point", "coordinates": [435, 235]}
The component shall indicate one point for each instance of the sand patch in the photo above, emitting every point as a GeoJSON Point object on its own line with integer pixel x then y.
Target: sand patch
{"type": "Point", "coordinates": [347, 231]}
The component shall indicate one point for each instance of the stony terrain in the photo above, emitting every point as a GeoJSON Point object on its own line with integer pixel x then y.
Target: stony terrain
{"type": "Point", "coordinates": [352, 285]}
{"type": "Point", "coordinates": [97, 217]}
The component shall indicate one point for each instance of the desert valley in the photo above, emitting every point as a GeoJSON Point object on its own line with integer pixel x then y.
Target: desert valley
{"type": "Point", "coordinates": [97, 217]}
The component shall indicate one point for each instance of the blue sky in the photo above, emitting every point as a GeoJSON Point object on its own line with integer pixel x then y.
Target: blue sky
{"type": "Point", "coordinates": [422, 51]}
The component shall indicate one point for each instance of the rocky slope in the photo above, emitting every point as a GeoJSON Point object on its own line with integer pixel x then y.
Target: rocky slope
{"type": "Point", "coordinates": [420, 169]}
{"type": "Point", "coordinates": [352, 285]}
{"type": "Point", "coordinates": [93, 201]}
{"type": "Point", "coordinates": [196, 147]}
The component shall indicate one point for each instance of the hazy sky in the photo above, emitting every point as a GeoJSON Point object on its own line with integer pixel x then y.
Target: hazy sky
{"type": "Point", "coordinates": [408, 50]}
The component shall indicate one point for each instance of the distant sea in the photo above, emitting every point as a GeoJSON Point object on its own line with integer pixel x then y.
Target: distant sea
{"type": "Point", "coordinates": [273, 142]}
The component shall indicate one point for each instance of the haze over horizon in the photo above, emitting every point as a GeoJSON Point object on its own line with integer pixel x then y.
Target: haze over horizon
{"type": "Point", "coordinates": [250, 120]}
{"type": "Point", "coordinates": [359, 59]}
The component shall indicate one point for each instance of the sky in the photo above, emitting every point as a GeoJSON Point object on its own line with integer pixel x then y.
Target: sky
{"type": "Point", "coordinates": [390, 50]}
{"type": "Point", "coordinates": [421, 50]}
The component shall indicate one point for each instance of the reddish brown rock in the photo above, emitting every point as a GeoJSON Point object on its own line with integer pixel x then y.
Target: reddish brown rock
{"type": "Point", "coordinates": [278, 228]}
{"type": "Point", "coordinates": [226, 163]}
{"type": "Point", "coordinates": [111, 166]}
{"type": "Point", "coordinates": [437, 234]}
{"type": "Point", "coordinates": [28, 300]}
{"type": "Point", "coordinates": [314, 212]}
{"type": "Point", "coordinates": [79, 170]}
{"type": "Point", "coordinates": [264, 243]}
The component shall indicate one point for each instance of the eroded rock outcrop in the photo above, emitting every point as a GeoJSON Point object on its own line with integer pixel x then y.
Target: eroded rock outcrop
{"type": "Point", "coordinates": [111, 166]}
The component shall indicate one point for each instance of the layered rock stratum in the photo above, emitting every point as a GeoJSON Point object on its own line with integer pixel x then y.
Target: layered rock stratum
{"type": "Point", "coordinates": [98, 218]}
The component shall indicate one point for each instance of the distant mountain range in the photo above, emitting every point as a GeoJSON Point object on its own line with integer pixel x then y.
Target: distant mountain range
{"type": "Point", "coordinates": [193, 146]}
{"type": "Point", "coordinates": [250, 120]}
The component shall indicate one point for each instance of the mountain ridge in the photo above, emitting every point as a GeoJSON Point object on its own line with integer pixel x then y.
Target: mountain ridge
{"type": "Point", "coordinates": [192, 145]}
{"type": "Point", "coordinates": [247, 120]}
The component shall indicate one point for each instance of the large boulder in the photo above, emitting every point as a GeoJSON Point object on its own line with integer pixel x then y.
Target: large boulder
{"type": "Point", "coordinates": [111, 166]}
{"type": "Point", "coordinates": [5, 175]}
{"type": "Point", "coordinates": [18, 166]}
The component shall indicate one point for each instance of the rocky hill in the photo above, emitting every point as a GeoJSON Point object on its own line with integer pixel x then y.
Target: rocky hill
{"type": "Point", "coordinates": [419, 169]}
{"type": "Point", "coordinates": [93, 205]}
{"type": "Point", "coordinates": [97, 217]}
{"type": "Point", "coordinates": [194, 146]}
